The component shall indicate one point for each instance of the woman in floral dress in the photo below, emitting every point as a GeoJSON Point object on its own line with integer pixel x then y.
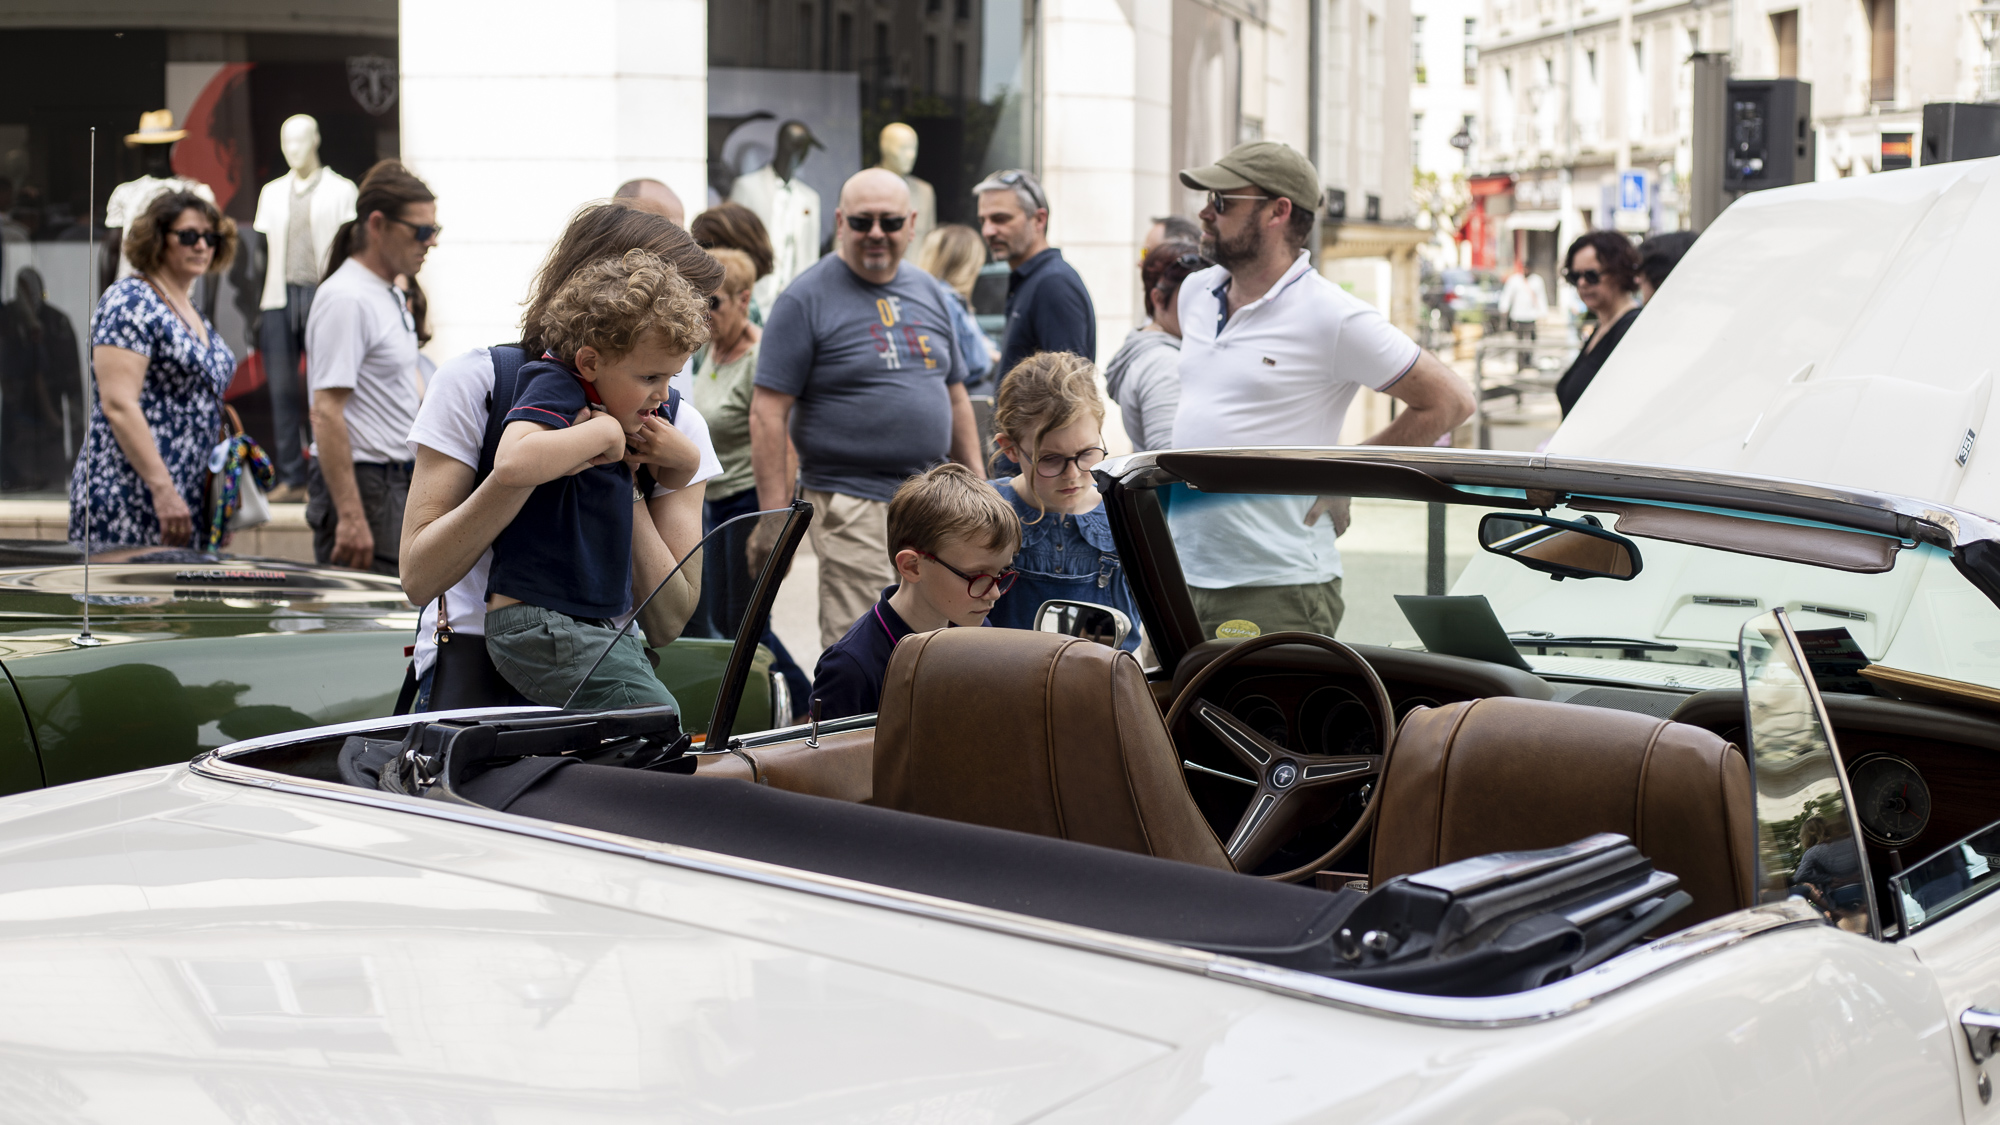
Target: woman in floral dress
{"type": "Point", "coordinates": [161, 372]}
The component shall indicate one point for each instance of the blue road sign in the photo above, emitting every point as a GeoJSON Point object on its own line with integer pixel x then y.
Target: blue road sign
{"type": "Point", "coordinates": [1632, 191]}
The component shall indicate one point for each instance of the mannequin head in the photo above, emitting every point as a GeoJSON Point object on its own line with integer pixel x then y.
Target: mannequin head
{"type": "Point", "coordinates": [298, 139]}
{"type": "Point", "coordinates": [899, 148]}
{"type": "Point", "coordinates": [795, 142]}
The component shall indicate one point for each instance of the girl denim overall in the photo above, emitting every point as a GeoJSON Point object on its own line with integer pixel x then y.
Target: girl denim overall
{"type": "Point", "coordinates": [1063, 557]}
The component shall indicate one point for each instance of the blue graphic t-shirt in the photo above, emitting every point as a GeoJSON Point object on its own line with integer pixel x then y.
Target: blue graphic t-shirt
{"type": "Point", "coordinates": [870, 366]}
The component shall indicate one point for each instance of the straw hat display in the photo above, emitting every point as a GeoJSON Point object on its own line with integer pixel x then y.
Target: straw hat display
{"type": "Point", "coordinates": [156, 127]}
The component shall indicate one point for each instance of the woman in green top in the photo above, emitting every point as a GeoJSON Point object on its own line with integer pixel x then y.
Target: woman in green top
{"type": "Point", "coordinates": [721, 373]}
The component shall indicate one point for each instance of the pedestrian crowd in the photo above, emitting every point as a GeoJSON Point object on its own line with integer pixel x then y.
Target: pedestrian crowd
{"type": "Point", "coordinates": [531, 494]}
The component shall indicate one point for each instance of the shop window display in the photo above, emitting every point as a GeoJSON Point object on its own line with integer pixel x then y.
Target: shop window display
{"type": "Point", "coordinates": [209, 112]}
{"type": "Point", "coordinates": [873, 96]}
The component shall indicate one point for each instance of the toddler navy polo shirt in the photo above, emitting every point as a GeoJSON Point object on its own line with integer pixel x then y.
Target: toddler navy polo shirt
{"type": "Point", "coordinates": [570, 548]}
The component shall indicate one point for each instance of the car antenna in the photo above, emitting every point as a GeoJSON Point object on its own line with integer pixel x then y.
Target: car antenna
{"type": "Point", "coordinates": [84, 639]}
{"type": "Point", "coordinates": [699, 544]}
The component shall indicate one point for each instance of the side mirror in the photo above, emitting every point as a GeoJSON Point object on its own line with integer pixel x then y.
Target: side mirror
{"type": "Point", "coordinates": [1563, 548]}
{"type": "Point", "coordinates": [1085, 621]}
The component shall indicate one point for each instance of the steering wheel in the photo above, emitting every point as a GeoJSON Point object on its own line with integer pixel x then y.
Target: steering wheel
{"type": "Point", "coordinates": [1283, 776]}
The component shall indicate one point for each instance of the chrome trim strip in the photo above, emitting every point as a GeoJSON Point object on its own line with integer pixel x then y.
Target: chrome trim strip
{"type": "Point", "coordinates": [1334, 771]}
{"type": "Point", "coordinates": [1549, 1002]}
{"type": "Point", "coordinates": [365, 726]}
{"type": "Point", "coordinates": [1199, 768]}
{"type": "Point", "coordinates": [1251, 823]}
{"type": "Point", "coordinates": [798, 733]}
{"type": "Point", "coordinates": [1223, 725]}
{"type": "Point", "coordinates": [1658, 883]}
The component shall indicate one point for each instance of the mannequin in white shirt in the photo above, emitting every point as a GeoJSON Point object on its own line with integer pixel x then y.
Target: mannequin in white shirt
{"type": "Point", "coordinates": [298, 214]}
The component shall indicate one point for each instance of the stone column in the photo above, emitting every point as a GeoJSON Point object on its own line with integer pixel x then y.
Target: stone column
{"type": "Point", "coordinates": [516, 118]}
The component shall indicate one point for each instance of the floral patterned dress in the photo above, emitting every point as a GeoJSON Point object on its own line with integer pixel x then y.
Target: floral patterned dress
{"type": "Point", "coordinates": [182, 403]}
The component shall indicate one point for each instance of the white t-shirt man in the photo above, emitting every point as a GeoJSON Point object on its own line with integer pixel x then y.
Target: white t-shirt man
{"type": "Point", "coordinates": [362, 337]}
{"type": "Point", "coordinates": [1281, 372]}
{"type": "Point", "coordinates": [452, 421]}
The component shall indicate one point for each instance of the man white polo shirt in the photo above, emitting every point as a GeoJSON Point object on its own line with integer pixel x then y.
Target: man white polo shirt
{"type": "Point", "coordinates": [1279, 372]}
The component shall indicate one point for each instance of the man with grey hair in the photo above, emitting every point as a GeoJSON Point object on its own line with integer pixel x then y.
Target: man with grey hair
{"type": "Point", "coordinates": [858, 364]}
{"type": "Point", "coordinates": [652, 195]}
{"type": "Point", "coordinates": [1048, 309]}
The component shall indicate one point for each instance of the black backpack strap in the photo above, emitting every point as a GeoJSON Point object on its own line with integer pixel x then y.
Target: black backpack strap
{"type": "Point", "coordinates": [507, 361]}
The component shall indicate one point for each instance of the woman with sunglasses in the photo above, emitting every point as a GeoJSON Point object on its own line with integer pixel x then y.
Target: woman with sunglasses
{"type": "Point", "coordinates": [161, 372]}
{"type": "Point", "coordinates": [1144, 378]}
{"type": "Point", "coordinates": [1604, 268]}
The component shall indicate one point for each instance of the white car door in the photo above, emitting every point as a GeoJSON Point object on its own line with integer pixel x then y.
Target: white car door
{"type": "Point", "coordinates": [1952, 921]}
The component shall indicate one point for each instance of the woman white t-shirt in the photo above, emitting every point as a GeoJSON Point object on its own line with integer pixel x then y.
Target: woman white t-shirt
{"type": "Point", "coordinates": [452, 421]}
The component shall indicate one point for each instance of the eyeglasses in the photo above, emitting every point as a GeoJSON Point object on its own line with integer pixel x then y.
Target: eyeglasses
{"type": "Point", "coordinates": [1021, 179]}
{"type": "Point", "coordinates": [714, 302]}
{"type": "Point", "coordinates": [1583, 277]}
{"type": "Point", "coordinates": [980, 585]}
{"type": "Point", "coordinates": [1193, 263]}
{"type": "Point", "coordinates": [1052, 465]}
{"type": "Point", "coordinates": [424, 231]}
{"type": "Point", "coordinates": [862, 224]}
{"type": "Point", "coordinates": [1216, 198]}
{"type": "Point", "coordinates": [191, 236]}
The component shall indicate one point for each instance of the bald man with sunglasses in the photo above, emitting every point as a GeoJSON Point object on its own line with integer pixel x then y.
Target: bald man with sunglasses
{"type": "Point", "coordinates": [859, 368]}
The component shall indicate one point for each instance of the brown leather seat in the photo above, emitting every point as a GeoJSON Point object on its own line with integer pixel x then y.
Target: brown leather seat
{"type": "Point", "coordinates": [1038, 733]}
{"type": "Point", "coordinates": [1503, 774]}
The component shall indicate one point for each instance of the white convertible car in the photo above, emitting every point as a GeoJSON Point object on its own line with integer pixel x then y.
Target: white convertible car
{"type": "Point", "coordinates": [1628, 793]}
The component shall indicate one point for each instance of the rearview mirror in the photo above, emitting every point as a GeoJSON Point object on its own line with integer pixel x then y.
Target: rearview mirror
{"type": "Point", "coordinates": [1563, 548]}
{"type": "Point", "coordinates": [1085, 621]}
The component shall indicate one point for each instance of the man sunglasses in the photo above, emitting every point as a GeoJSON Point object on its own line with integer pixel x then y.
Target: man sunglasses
{"type": "Point", "coordinates": [423, 231]}
{"type": "Point", "coordinates": [862, 224]}
{"type": "Point", "coordinates": [190, 237]}
{"type": "Point", "coordinates": [1218, 202]}
{"type": "Point", "coordinates": [1583, 277]}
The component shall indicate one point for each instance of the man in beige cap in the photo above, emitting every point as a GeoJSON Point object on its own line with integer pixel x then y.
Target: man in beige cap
{"type": "Point", "coordinates": [1272, 353]}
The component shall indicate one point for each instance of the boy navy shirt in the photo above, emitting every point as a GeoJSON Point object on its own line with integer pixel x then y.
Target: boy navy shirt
{"type": "Point", "coordinates": [848, 679]}
{"type": "Point", "coordinates": [570, 549]}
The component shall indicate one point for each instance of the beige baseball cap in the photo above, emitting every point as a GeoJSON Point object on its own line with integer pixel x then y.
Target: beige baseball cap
{"type": "Point", "coordinates": [1269, 165]}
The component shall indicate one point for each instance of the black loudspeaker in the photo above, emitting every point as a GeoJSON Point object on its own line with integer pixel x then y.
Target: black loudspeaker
{"type": "Point", "coordinates": [1769, 134]}
{"type": "Point", "coordinates": [1960, 131]}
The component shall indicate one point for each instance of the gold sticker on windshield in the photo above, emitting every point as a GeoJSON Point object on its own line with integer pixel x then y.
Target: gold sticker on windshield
{"type": "Point", "coordinates": [1237, 630]}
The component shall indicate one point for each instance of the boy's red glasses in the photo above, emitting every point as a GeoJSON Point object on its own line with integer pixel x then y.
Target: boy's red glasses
{"type": "Point", "coordinates": [979, 585]}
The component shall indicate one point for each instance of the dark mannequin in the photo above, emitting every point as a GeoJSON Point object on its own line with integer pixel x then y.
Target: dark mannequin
{"type": "Point", "coordinates": [42, 426]}
{"type": "Point", "coordinates": [795, 143]}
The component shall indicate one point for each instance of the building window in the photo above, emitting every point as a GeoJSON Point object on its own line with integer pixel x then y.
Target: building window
{"type": "Point", "coordinates": [1471, 51]}
{"type": "Point", "coordinates": [964, 10]}
{"type": "Point", "coordinates": [1636, 93]}
{"type": "Point", "coordinates": [1785, 30]}
{"type": "Point", "coordinates": [1372, 209]}
{"type": "Point", "coordinates": [931, 63]}
{"type": "Point", "coordinates": [958, 70]}
{"type": "Point", "coordinates": [1417, 47]}
{"type": "Point", "coordinates": [844, 37]}
{"type": "Point", "coordinates": [803, 43]}
{"type": "Point", "coordinates": [1417, 140]}
{"type": "Point", "coordinates": [884, 65]}
{"type": "Point", "coordinates": [1881, 51]}
{"type": "Point", "coordinates": [1465, 129]}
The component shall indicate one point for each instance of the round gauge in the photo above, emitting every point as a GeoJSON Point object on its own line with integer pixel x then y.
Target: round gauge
{"type": "Point", "coordinates": [1335, 721]}
{"type": "Point", "coordinates": [1404, 708]}
{"type": "Point", "coordinates": [1265, 717]}
{"type": "Point", "coordinates": [1891, 799]}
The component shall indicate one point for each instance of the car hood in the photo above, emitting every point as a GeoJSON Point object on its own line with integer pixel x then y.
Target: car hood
{"type": "Point", "coordinates": [252, 950]}
{"type": "Point", "coordinates": [226, 589]}
{"type": "Point", "coordinates": [1822, 329]}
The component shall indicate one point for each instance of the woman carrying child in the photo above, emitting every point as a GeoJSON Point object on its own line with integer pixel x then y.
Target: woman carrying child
{"type": "Point", "coordinates": [1050, 421]}
{"type": "Point", "coordinates": [563, 569]}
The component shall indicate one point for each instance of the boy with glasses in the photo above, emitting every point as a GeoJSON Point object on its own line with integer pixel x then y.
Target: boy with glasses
{"type": "Point", "coordinates": [951, 541]}
{"type": "Point", "coordinates": [858, 363]}
{"type": "Point", "coordinates": [1048, 308]}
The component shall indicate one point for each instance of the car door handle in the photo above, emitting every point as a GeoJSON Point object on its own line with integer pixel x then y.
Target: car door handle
{"type": "Point", "coordinates": [1981, 1026]}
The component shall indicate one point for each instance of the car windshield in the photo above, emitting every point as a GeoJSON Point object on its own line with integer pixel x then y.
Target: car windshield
{"type": "Point", "coordinates": [1673, 624]}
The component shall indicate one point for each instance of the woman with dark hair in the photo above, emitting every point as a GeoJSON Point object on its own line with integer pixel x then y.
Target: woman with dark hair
{"type": "Point", "coordinates": [453, 517]}
{"type": "Point", "coordinates": [1605, 269]}
{"type": "Point", "coordinates": [1658, 256]}
{"type": "Point", "coordinates": [161, 371]}
{"type": "Point", "coordinates": [1144, 378]}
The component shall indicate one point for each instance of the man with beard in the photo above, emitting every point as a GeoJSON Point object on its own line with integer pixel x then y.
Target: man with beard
{"type": "Point", "coordinates": [1272, 353]}
{"type": "Point", "coordinates": [1048, 309]}
{"type": "Point", "coordinates": [857, 362]}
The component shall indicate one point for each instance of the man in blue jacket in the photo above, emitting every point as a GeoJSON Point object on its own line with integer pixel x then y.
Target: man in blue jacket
{"type": "Point", "coordinates": [1048, 309]}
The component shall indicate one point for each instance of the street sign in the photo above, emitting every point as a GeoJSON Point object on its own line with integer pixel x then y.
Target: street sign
{"type": "Point", "coordinates": [1632, 191]}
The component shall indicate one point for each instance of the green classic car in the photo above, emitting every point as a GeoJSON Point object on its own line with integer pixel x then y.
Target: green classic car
{"type": "Point", "coordinates": [191, 656]}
